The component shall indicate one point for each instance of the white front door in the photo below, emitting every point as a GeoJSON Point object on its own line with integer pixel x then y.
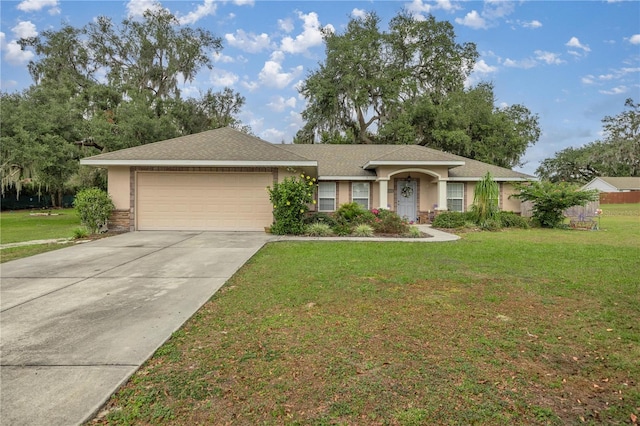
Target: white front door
{"type": "Point", "coordinates": [406, 199]}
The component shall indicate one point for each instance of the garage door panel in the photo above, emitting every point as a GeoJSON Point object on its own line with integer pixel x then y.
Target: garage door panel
{"type": "Point", "coordinates": [203, 201]}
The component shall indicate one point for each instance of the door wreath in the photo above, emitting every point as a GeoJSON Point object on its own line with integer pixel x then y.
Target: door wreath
{"type": "Point", "coordinates": [406, 191]}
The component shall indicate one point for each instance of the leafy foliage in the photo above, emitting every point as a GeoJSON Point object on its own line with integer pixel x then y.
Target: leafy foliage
{"type": "Point", "coordinates": [94, 206]}
{"type": "Point", "coordinates": [291, 199]}
{"type": "Point", "coordinates": [406, 86]}
{"type": "Point", "coordinates": [451, 220]}
{"type": "Point", "coordinates": [485, 200]}
{"type": "Point", "coordinates": [513, 220]}
{"type": "Point", "coordinates": [618, 154]}
{"type": "Point", "coordinates": [363, 230]}
{"type": "Point", "coordinates": [318, 229]}
{"type": "Point", "coordinates": [353, 214]}
{"type": "Point", "coordinates": [71, 112]}
{"type": "Point", "coordinates": [551, 199]}
{"type": "Point", "coordinates": [388, 222]}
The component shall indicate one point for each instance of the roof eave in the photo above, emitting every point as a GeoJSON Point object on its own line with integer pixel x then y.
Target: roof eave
{"type": "Point", "coordinates": [497, 179]}
{"type": "Point", "coordinates": [198, 163]}
{"type": "Point", "coordinates": [348, 178]}
{"type": "Point", "coordinates": [377, 163]}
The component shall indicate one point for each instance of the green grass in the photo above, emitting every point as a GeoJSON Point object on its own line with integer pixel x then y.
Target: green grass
{"type": "Point", "coordinates": [516, 327]}
{"type": "Point", "coordinates": [23, 225]}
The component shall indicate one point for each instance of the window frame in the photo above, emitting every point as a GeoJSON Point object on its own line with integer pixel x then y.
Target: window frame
{"type": "Point", "coordinates": [325, 198]}
{"type": "Point", "coordinates": [355, 199]}
{"type": "Point", "coordinates": [450, 198]}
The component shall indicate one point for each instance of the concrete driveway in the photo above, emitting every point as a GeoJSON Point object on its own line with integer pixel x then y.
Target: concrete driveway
{"type": "Point", "coordinates": [77, 322]}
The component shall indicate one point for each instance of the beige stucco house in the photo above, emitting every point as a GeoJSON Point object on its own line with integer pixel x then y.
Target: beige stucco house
{"type": "Point", "coordinates": [216, 180]}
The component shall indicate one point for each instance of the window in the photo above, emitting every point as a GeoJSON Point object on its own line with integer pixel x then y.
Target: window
{"type": "Point", "coordinates": [326, 196]}
{"type": "Point", "coordinates": [360, 194]}
{"type": "Point", "coordinates": [455, 196]}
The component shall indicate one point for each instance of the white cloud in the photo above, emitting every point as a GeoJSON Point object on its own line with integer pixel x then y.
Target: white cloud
{"type": "Point", "coordinates": [575, 43]}
{"type": "Point", "coordinates": [250, 85]}
{"type": "Point", "coordinates": [605, 77]}
{"type": "Point", "coordinates": [223, 78]}
{"type": "Point", "coordinates": [272, 74]}
{"type": "Point", "coordinates": [272, 135]}
{"type": "Point", "coordinates": [483, 68]}
{"type": "Point", "coordinates": [279, 103]}
{"type": "Point", "coordinates": [243, 2]}
{"type": "Point", "coordinates": [311, 35]}
{"type": "Point", "coordinates": [588, 79]}
{"type": "Point", "coordinates": [220, 57]}
{"type": "Point", "coordinates": [494, 9]}
{"type": "Point", "coordinates": [286, 25]}
{"type": "Point", "coordinates": [24, 29]}
{"type": "Point", "coordinates": [615, 91]}
{"type": "Point", "coordinates": [533, 24]}
{"type": "Point", "coordinates": [548, 57]}
{"type": "Point", "coordinates": [419, 6]}
{"type": "Point", "coordinates": [207, 8]}
{"type": "Point", "coordinates": [136, 8]}
{"type": "Point", "coordinates": [473, 20]}
{"type": "Point", "coordinates": [525, 63]}
{"type": "Point", "coordinates": [634, 39]}
{"type": "Point", "coordinates": [249, 42]}
{"type": "Point", "coordinates": [35, 5]}
{"type": "Point", "coordinates": [13, 53]}
{"type": "Point", "coordinates": [358, 13]}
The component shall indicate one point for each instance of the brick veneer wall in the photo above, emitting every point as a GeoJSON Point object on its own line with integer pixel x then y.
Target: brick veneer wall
{"type": "Point", "coordinates": [119, 220]}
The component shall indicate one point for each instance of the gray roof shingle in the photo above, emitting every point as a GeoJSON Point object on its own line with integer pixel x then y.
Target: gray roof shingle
{"type": "Point", "coordinates": [230, 146]}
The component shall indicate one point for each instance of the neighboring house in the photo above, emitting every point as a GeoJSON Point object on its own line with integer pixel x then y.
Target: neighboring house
{"type": "Point", "coordinates": [216, 180]}
{"type": "Point", "coordinates": [614, 184]}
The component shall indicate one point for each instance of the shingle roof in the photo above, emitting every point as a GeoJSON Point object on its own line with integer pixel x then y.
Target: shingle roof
{"type": "Point", "coordinates": [350, 160]}
{"type": "Point", "coordinates": [230, 146]}
{"type": "Point", "coordinates": [622, 183]}
{"type": "Point", "coordinates": [224, 144]}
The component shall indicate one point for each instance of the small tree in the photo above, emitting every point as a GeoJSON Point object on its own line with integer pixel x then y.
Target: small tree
{"type": "Point", "coordinates": [94, 206]}
{"type": "Point", "coordinates": [551, 199]}
{"type": "Point", "coordinates": [291, 199]}
{"type": "Point", "coordinates": [485, 201]}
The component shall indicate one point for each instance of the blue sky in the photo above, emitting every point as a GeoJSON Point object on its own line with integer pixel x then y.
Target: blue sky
{"type": "Point", "coordinates": [570, 62]}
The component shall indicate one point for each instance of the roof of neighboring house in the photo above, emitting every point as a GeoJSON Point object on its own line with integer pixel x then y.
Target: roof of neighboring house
{"type": "Point", "coordinates": [622, 183]}
{"type": "Point", "coordinates": [228, 146]}
{"type": "Point", "coordinates": [214, 147]}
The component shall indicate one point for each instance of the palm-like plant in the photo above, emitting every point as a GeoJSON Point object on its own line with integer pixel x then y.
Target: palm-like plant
{"type": "Point", "coordinates": [485, 200]}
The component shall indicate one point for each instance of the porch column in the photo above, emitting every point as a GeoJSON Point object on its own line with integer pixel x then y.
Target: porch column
{"type": "Point", "coordinates": [382, 196]}
{"type": "Point", "coordinates": [442, 195]}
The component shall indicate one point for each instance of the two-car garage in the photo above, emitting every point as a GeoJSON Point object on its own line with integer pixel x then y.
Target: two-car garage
{"type": "Point", "coordinates": [202, 201]}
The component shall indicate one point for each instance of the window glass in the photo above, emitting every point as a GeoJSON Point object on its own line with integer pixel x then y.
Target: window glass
{"type": "Point", "coordinates": [455, 196]}
{"type": "Point", "coordinates": [326, 196]}
{"type": "Point", "coordinates": [360, 194]}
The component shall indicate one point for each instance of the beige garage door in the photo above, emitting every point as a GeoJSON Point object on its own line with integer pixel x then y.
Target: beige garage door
{"type": "Point", "coordinates": [203, 201]}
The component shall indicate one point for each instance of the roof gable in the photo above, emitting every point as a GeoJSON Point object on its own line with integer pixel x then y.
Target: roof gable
{"type": "Point", "coordinates": [622, 183]}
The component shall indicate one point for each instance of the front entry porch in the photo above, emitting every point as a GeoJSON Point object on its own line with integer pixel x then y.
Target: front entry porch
{"type": "Point", "coordinates": [416, 195]}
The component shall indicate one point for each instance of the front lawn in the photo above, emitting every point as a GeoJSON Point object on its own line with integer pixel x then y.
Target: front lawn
{"type": "Point", "coordinates": [517, 327]}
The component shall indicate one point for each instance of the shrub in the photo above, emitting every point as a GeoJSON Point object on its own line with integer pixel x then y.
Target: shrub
{"type": "Point", "coordinates": [363, 230]}
{"type": "Point", "coordinates": [485, 202]}
{"type": "Point", "coordinates": [414, 232]}
{"type": "Point", "coordinates": [290, 199]}
{"type": "Point", "coordinates": [551, 199]}
{"type": "Point", "coordinates": [342, 229]}
{"type": "Point", "coordinates": [80, 233]}
{"type": "Point", "coordinates": [94, 206]}
{"type": "Point", "coordinates": [388, 222]}
{"type": "Point", "coordinates": [450, 220]}
{"type": "Point", "coordinates": [319, 230]}
{"type": "Point", "coordinates": [320, 217]}
{"type": "Point", "coordinates": [353, 214]}
{"type": "Point", "coordinates": [512, 220]}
